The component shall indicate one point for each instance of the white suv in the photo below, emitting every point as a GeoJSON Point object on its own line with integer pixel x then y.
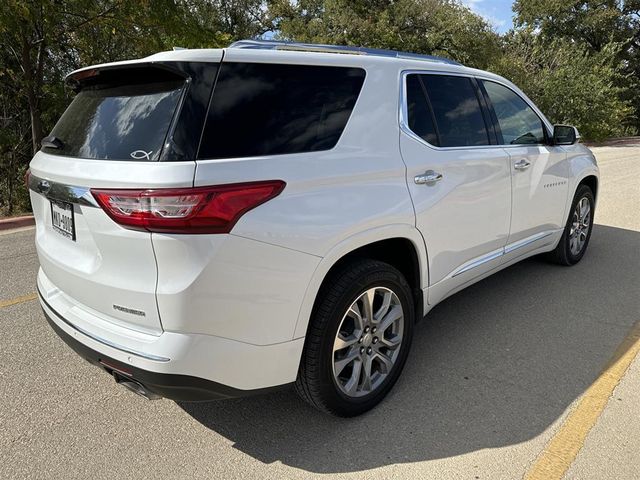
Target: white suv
{"type": "Point", "coordinates": [214, 223]}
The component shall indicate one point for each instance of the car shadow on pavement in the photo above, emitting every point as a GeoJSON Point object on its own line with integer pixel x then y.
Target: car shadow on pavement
{"type": "Point", "coordinates": [492, 366]}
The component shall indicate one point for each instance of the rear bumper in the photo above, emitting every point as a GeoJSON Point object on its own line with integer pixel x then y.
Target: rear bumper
{"type": "Point", "coordinates": [176, 387]}
{"type": "Point", "coordinates": [192, 366]}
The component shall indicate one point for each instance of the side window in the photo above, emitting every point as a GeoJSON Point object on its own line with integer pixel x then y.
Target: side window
{"type": "Point", "coordinates": [456, 110]}
{"type": "Point", "coordinates": [519, 124]}
{"type": "Point", "coordinates": [270, 109]}
{"type": "Point", "coordinates": [420, 116]}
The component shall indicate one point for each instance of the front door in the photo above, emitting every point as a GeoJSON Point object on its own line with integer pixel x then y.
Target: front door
{"type": "Point", "coordinates": [539, 172]}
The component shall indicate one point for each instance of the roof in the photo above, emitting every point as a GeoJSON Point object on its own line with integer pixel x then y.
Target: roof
{"type": "Point", "coordinates": [290, 52]}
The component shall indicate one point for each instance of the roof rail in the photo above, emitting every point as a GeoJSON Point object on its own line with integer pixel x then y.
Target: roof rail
{"type": "Point", "coordinates": [316, 47]}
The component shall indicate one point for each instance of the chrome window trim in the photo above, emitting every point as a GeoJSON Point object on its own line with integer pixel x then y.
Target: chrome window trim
{"type": "Point", "coordinates": [403, 114]}
{"type": "Point", "coordinates": [61, 192]}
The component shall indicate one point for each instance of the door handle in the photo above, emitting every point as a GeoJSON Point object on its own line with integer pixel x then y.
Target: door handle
{"type": "Point", "coordinates": [522, 165]}
{"type": "Point", "coordinates": [428, 178]}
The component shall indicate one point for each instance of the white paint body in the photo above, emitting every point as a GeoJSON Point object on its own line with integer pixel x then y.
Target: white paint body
{"type": "Point", "coordinates": [234, 308]}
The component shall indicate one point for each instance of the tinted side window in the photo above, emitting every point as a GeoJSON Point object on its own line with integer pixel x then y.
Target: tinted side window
{"type": "Point", "coordinates": [420, 117]}
{"type": "Point", "coordinates": [456, 109]}
{"type": "Point", "coordinates": [270, 109]}
{"type": "Point", "coordinates": [518, 122]}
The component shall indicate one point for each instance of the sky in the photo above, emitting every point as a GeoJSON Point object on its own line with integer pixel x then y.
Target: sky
{"type": "Point", "coordinates": [496, 12]}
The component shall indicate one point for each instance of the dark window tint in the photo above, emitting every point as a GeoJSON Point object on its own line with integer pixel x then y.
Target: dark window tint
{"type": "Point", "coordinates": [270, 109]}
{"type": "Point", "coordinates": [518, 122]}
{"type": "Point", "coordinates": [419, 113]}
{"type": "Point", "coordinates": [126, 118]}
{"type": "Point", "coordinates": [457, 111]}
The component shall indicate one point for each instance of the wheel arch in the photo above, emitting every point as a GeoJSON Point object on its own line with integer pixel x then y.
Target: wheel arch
{"type": "Point", "coordinates": [582, 170]}
{"type": "Point", "coordinates": [399, 245]}
{"type": "Point", "coordinates": [590, 181]}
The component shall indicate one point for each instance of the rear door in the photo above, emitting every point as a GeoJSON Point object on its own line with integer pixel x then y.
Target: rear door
{"type": "Point", "coordinates": [121, 131]}
{"type": "Point", "coordinates": [539, 171]}
{"type": "Point", "coordinates": [458, 178]}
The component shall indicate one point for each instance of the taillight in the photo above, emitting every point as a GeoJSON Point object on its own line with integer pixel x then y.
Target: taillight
{"type": "Point", "coordinates": [214, 209]}
{"type": "Point", "coordinates": [27, 174]}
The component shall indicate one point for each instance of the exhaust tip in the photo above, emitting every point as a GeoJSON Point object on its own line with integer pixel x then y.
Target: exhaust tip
{"type": "Point", "coordinates": [135, 387]}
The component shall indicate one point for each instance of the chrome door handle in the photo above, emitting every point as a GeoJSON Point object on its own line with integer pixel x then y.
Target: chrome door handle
{"type": "Point", "coordinates": [522, 165]}
{"type": "Point", "coordinates": [428, 178]}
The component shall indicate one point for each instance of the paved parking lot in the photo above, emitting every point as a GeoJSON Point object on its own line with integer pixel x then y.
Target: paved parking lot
{"type": "Point", "coordinates": [494, 387]}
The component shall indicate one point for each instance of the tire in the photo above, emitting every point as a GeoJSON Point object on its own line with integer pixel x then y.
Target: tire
{"type": "Point", "coordinates": [568, 252]}
{"type": "Point", "coordinates": [334, 379]}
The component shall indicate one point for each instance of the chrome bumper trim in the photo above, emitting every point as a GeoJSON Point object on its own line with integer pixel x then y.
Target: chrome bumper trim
{"type": "Point", "coordinates": [108, 343]}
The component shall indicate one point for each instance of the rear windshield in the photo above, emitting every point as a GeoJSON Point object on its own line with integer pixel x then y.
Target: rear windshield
{"type": "Point", "coordinates": [123, 116]}
{"type": "Point", "coordinates": [270, 109]}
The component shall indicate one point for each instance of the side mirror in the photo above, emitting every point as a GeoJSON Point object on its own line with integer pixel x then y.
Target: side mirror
{"type": "Point", "coordinates": [565, 135]}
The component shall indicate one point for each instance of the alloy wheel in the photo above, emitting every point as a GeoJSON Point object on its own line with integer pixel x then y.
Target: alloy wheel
{"type": "Point", "coordinates": [368, 342]}
{"type": "Point", "coordinates": [580, 225]}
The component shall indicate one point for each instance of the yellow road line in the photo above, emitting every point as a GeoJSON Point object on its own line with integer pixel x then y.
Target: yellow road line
{"type": "Point", "coordinates": [562, 449]}
{"type": "Point", "coordinates": [14, 301]}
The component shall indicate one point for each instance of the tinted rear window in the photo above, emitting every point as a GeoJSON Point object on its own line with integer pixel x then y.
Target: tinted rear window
{"type": "Point", "coordinates": [270, 109]}
{"type": "Point", "coordinates": [120, 117]}
{"type": "Point", "coordinates": [456, 110]}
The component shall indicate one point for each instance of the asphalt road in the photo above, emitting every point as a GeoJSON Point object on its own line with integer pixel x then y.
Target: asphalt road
{"type": "Point", "coordinates": [494, 373]}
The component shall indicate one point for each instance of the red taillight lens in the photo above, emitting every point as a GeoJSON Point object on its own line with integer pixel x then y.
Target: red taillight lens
{"type": "Point", "coordinates": [27, 174]}
{"type": "Point", "coordinates": [213, 209]}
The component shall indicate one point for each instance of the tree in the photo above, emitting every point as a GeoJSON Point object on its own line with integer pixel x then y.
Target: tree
{"type": "Point", "coordinates": [594, 26]}
{"type": "Point", "coordinates": [567, 81]}
{"type": "Point", "coordinates": [436, 27]}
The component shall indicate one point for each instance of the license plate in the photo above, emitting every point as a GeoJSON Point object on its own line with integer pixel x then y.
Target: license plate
{"type": "Point", "coordinates": [62, 219]}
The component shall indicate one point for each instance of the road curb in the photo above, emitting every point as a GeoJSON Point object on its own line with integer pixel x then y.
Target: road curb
{"type": "Point", "coordinates": [16, 222]}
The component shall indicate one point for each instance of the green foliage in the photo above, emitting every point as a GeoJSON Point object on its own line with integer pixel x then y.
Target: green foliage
{"type": "Point", "coordinates": [568, 83]}
{"type": "Point", "coordinates": [595, 27]}
{"type": "Point", "coordinates": [435, 27]}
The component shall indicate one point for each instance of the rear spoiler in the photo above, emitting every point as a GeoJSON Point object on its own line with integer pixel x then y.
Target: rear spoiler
{"type": "Point", "coordinates": [167, 60]}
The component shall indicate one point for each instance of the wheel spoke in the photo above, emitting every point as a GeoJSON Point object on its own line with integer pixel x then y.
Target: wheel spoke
{"type": "Point", "coordinates": [384, 308]}
{"type": "Point", "coordinates": [352, 384]}
{"type": "Point", "coordinates": [585, 210]}
{"type": "Point", "coordinates": [354, 312]}
{"type": "Point", "coordinates": [573, 244]}
{"type": "Point", "coordinates": [341, 342]}
{"type": "Point", "coordinates": [366, 374]}
{"type": "Point", "coordinates": [367, 301]}
{"type": "Point", "coordinates": [391, 343]}
{"type": "Point", "coordinates": [384, 361]}
{"type": "Point", "coordinates": [341, 364]}
{"type": "Point", "coordinates": [394, 314]}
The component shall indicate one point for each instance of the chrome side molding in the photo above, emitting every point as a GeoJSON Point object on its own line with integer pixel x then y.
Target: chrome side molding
{"type": "Point", "coordinates": [61, 192]}
{"type": "Point", "coordinates": [476, 262]}
{"type": "Point", "coordinates": [526, 241]}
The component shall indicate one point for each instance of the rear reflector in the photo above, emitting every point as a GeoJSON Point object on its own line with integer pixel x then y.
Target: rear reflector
{"type": "Point", "coordinates": [214, 209]}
